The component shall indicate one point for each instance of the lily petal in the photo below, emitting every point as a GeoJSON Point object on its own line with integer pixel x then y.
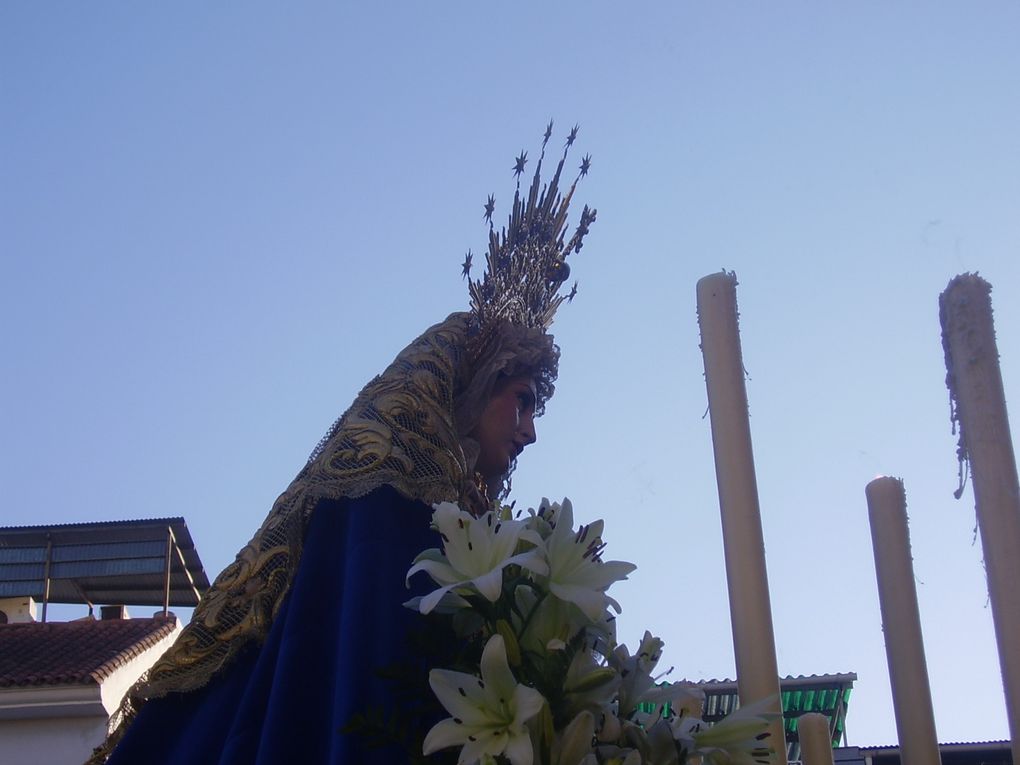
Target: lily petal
{"type": "Point", "coordinates": [519, 749]}
{"type": "Point", "coordinates": [443, 734]}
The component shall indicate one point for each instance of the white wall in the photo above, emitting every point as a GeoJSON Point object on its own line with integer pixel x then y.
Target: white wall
{"type": "Point", "coordinates": [120, 680]}
{"type": "Point", "coordinates": [58, 725]}
{"type": "Point", "coordinates": [50, 741]}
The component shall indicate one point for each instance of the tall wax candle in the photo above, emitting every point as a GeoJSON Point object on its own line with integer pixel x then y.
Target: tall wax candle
{"type": "Point", "coordinates": [901, 622]}
{"type": "Point", "coordinates": [975, 388]}
{"type": "Point", "coordinates": [743, 544]}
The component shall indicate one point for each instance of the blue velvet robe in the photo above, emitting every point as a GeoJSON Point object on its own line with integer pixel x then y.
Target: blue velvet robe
{"type": "Point", "coordinates": [289, 699]}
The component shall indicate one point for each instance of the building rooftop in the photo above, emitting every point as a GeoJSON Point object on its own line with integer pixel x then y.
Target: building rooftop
{"type": "Point", "coordinates": [111, 562]}
{"type": "Point", "coordinates": [825, 694]}
{"type": "Point", "coordinates": [958, 753]}
{"type": "Point", "coordinates": [74, 653]}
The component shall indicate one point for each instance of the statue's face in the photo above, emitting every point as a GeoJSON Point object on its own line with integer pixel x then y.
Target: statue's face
{"type": "Point", "coordinates": [506, 426]}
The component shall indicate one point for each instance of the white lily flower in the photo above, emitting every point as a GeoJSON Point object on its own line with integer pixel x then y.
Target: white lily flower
{"type": "Point", "coordinates": [551, 623]}
{"type": "Point", "coordinates": [574, 745]}
{"type": "Point", "coordinates": [662, 749]}
{"type": "Point", "coordinates": [475, 552]}
{"type": "Point", "coordinates": [740, 738]}
{"type": "Point", "coordinates": [588, 685]}
{"type": "Point", "coordinates": [489, 714]}
{"type": "Point", "coordinates": [577, 572]}
{"type": "Point", "coordinates": [604, 629]}
{"type": "Point", "coordinates": [544, 520]}
{"type": "Point", "coordinates": [639, 686]}
{"type": "Point", "coordinates": [620, 755]}
{"type": "Point", "coordinates": [450, 603]}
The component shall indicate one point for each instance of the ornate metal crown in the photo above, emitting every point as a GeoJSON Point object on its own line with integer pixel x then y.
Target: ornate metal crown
{"type": "Point", "coordinates": [526, 262]}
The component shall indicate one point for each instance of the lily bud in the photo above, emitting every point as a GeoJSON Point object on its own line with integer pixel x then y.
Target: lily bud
{"type": "Point", "coordinates": [513, 648]}
{"type": "Point", "coordinates": [594, 679]}
{"type": "Point", "coordinates": [575, 742]}
{"type": "Point", "coordinates": [610, 730]}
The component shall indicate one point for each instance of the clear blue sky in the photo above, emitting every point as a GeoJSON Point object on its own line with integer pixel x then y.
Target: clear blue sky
{"type": "Point", "coordinates": [217, 221]}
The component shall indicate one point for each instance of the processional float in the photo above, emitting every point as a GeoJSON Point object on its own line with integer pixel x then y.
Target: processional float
{"type": "Point", "coordinates": [985, 446]}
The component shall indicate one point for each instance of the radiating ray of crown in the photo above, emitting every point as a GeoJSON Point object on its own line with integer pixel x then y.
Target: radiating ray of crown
{"type": "Point", "coordinates": [526, 262]}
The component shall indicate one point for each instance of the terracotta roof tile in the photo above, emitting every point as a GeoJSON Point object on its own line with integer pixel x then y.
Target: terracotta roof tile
{"type": "Point", "coordinates": [74, 653]}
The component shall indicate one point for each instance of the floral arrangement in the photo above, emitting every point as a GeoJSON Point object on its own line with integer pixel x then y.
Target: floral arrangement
{"type": "Point", "coordinates": [541, 678]}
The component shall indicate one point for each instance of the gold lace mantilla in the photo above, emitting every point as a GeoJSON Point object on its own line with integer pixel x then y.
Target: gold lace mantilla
{"type": "Point", "coordinates": [401, 431]}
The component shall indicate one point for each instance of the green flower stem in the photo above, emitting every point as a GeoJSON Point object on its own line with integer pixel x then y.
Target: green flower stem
{"type": "Point", "coordinates": [527, 620]}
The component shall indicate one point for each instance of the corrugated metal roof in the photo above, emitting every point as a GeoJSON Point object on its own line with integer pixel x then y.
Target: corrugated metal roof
{"type": "Point", "coordinates": [959, 746]}
{"type": "Point", "coordinates": [826, 694]}
{"type": "Point", "coordinates": [963, 753]}
{"type": "Point", "coordinates": [789, 681]}
{"type": "Point", "coordinates": [102, 562]}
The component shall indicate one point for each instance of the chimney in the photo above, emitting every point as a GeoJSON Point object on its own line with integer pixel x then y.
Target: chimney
{"type": "Point", "coordinates": [107, 613]}
{"type": "Point", "coordinates": [17, 610]}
